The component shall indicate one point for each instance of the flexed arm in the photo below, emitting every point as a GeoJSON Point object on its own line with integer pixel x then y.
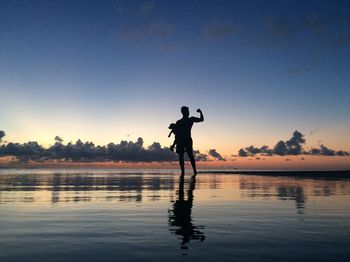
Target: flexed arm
{"type": "Point", "coordinates": [201, 117]}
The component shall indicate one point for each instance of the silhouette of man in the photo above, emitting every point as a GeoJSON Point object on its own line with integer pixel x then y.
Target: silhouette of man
{"type": "Point", "coordinates": [184, 141]}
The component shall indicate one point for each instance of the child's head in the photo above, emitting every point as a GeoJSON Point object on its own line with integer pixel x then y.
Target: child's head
{"type": "Point", "coordinates": [172, 126]}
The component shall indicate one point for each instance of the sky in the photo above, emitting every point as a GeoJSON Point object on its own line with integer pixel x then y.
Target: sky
{"type": "Point", "coordinates": [106, 71]}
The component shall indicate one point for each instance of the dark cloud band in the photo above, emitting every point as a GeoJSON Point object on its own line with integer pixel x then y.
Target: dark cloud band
{"type": "Point", "coordinates": [127, 151]}
{"type": "Point", "coordinates": [293, 146]}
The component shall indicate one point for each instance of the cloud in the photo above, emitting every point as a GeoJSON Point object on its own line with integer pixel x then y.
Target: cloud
{"type": "Point", "coordinates": [242, 153]}
{"type": "Point", "coordinates": [127, 151]}
{"type": "Point", "coordinates": [312, 132]}
{"type": "Point", "coordinates": [146, 7]}
{"type": "Point", "coordinates": [315, 24]}
{"type": "Point", "coordinates": [344, 39]}
{"type": "Point", "coordinates": [218, 29]}
{"type": "Point", "coordinates": [325, 151]}
{"type": "Point", "coordinates": [294, 71]}
{"type": "Point", "coordinates": [119, 7]}
{"type": "Point", "coordinates": [280, 148]}
{"type": "Point", "coordinates": [200, 156]}
{"type": "Point", "coordinates": [133, 32]}
{"type": "Point", "coordinates": [150, 33]}
{"type": "Point", "coordinates": [23, 152]}
{"type": "Point", "coordinates": [328, 31]}
{"type": "Point", "coordinates": [160, 28]}
{"type": "Point", "coordinates": [216, 155]}
{"type": "Point", "coordinates": [252, 150]}
{"type": "Point", "coordinates": [2, 134]}
{"type": "Point", "coordinates": [58, 139]}
{"type": "Point", "coordinates": [135, 152]}
{"type": "Point", "coordinates": [292, 146]}
{"type": "Point", "coordinates": [342, 153]}
{"type": "Point", "coordinates": [279, 28]}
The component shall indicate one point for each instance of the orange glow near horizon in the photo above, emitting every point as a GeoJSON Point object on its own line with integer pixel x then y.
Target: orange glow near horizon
{"type": "Point", "coordinates": [238, 163]}
{"type": "Point", "coordinates": [224, 137]}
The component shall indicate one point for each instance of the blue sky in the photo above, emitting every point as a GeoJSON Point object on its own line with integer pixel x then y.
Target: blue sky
{"type": "Point", "coordinates": [111, 70]}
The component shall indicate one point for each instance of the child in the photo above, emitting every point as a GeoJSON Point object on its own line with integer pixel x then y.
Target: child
{"type": "Point", "coordinates": [172, 126]}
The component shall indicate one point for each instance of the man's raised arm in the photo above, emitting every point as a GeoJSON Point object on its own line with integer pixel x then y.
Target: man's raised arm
{"type": "Point", "coordinates": [201, 117]}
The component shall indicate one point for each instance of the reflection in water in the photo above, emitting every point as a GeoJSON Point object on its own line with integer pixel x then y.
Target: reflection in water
{"type": "Point", "coordinates": [107, 215]}
{"type": "Point", "coordinates": [180, 218]}
{"type": "Point", "coordinates": [82, 187]}
{"type": "Point", "coordinates": [138, 187]}
{"type": "Point", "coordinates": [274, 188]}
{"type": "Point", "coordinates": [295, 193]}
{"type": "Point", "coordinates": [291, 189]}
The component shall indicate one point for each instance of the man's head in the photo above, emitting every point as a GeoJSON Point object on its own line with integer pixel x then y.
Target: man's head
{"type": "Point", "coordinates": [185, 111]}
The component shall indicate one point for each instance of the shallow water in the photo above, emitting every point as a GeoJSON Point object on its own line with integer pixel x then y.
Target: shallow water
{"type": "Point", "coordinates": [112, 216]}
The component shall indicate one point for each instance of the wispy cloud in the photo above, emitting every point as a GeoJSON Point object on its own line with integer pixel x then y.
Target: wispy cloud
{"type": "Point", "coordinates": [148, 29]}
{"type": "Point", "coordinates": [278, 31]}
{"type": "Point", "coordinates": [160, 28]}
{"type": "Point", "coordinates": [157, 28]}
{"type": "Point", "coordinates": [215, 29]}
{"type": "Point", "coordinates": [312, 132]}
{"type": "Point", "coordinates": [146, 7]}
{"type": "Point", "coordinates": [315, 24]}
{"type": "Point", "coordinates": [150, 33]}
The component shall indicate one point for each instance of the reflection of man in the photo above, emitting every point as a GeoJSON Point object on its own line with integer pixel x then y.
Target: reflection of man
{"type": "Point", "coordinates": [180, 215]}
{"type": "Point", "coordinates": [184, 141]}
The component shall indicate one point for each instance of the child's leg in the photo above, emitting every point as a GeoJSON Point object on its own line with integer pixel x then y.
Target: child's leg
{"type": "Point", "coordinates": [173, 146]}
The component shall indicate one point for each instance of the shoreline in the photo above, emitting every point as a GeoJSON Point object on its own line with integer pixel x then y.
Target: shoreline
{"type": "Point", "coordinates": [282, 173]}
{"type": "Point", "coordinates": [290, 173]}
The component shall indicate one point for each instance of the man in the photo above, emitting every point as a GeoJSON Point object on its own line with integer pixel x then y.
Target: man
{"type": "Point", "coordinates": [183, 137]}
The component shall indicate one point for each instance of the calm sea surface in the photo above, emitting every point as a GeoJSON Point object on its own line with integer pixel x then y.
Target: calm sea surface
{"type": "Point", "coordinates": [106, 215]}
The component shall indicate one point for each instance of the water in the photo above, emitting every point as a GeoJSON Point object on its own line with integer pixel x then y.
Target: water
{"type": "Point", "coordinates": [101, 215]}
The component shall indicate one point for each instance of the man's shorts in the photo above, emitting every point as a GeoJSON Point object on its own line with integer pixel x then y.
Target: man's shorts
{"type": "Point", "coordinates": [184, 146]}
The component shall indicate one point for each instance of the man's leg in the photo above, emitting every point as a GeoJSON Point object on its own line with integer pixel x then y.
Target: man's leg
{"type": "Point", "coordinates": [193, 162]}
{"type": "Point", "coordinates": [182, 163]}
